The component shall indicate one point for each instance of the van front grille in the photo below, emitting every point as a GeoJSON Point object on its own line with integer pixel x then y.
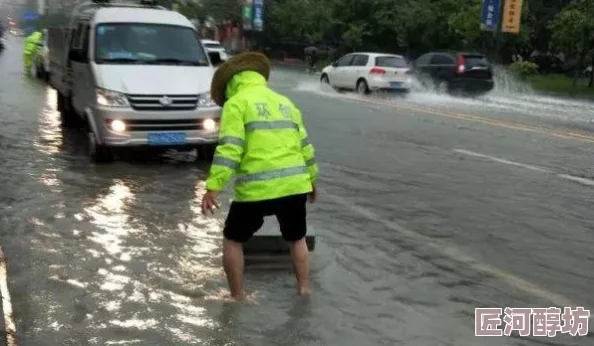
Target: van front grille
{"type": "Point", "coordinates": [163, 102]}
{"type": "Point", "coordinates": [154, 125]}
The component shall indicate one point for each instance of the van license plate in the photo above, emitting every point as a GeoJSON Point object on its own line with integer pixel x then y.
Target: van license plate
{"type": "Point", "coordinates": [395, 84]}
{"type": "Point", "coordinates": [167, 138]}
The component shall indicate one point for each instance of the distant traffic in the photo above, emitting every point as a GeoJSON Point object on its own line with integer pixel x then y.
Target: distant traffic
{"type": "Point", "coordinates": [465, 73]}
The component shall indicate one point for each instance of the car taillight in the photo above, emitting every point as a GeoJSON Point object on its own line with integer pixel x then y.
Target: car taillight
{"type": "Point", "coordinates": [460, 62]}
{"type": "Point", "coordinates": [408, 72]}
{"type": "Point", "coordinates": [377, 70]}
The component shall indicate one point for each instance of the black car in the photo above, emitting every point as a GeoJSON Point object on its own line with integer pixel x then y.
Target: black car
{"type": "Point", "coordinates": [455, 72]}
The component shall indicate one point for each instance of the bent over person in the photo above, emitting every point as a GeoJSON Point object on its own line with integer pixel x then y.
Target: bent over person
{"type": "Point", "coordinates": [29, 49]}
{"type": "Point", "coordinates": [263, 142]}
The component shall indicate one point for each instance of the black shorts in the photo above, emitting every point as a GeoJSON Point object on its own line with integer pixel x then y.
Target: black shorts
{"type": "Point", "coordinates": [246, 218]}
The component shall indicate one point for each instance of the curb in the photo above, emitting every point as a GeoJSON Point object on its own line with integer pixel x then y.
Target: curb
{"type": "Point", "coordinates": [8, 337]}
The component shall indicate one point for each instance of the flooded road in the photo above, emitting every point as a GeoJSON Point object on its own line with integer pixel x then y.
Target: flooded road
{"type": "Point", "coordinates": [422, 217]}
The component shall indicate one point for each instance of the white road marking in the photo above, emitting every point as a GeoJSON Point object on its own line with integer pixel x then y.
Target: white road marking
{"type": "Point", "coordinates": [496, 159]}
{"type": "Point", "coordinates": [457, 254]}
{"type": "Point", "coordinates": [579, 180]}
{"type": "Point", "coordinates": [9, 325]}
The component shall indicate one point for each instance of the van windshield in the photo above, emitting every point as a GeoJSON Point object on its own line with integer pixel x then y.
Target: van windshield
{"type": "Point", "coordinates": [141, 43]}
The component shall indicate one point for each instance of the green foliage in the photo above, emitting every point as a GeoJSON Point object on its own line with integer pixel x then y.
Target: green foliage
{"type": "Point", "coordinates": [467, 30]}
{"type": "Point", "coordinates": [573, 28]}
{"type": "Point", "coordinates": [188, 9]}
{"type": "Point", "coordinates": [412, 26]}
{"type": "Point", "coordinates": [524, 69]}
{"type": "Point", "coordinates": [299, 19]}
{"type": "Point", "coordinates": [561, 85]}
{"type": "Point", "coordinates": [219, 10]}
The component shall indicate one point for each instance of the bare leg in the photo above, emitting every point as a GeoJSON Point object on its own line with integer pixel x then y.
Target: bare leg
{"type": "Point", "coordinates": [300, 256]}
{"type": "Point", "coordinates": [233, 264]}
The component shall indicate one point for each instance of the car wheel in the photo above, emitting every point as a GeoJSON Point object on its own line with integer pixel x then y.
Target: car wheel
{"type": "Point", "coordinates": [362, 87]}
{"type": "Point", "coordinates": [443, 87]}
{"type": "Point", "coordinates": [325, 81]}
{"type": "Point", "coordinates": [98, 153]}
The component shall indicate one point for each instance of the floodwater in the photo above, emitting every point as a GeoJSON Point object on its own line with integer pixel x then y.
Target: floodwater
{"type": "Point", "coordinates": [412, 235]}
{"type": "Point", "coordinates": [509, 96]}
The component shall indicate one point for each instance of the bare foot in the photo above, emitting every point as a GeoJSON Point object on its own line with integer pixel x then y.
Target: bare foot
{"type": "Point", "coordinates": [304, 291]}
{"type": "Point", "coordinates": [240, 297]}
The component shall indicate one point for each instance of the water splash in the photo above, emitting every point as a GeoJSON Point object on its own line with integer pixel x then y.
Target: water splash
{"type": "Point", "coordinates": [510, 95]}
{"type": "Point", "coordinates": [509, 84]}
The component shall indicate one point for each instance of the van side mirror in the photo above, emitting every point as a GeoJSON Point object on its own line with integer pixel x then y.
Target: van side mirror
{"type": "Point", "coordinates": [215, 58]}
{"type": "Point", "coordinates": [334, 64]}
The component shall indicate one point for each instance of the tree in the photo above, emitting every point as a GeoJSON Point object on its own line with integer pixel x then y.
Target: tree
{"type": "Point", "coordinates": [299, 19]}
{"type": "Point", "coordinates": [409, 27]}
{"type": "Point", "coordinates": [219, 10]}
{"type": "Point", "coordinates": [467, 31]}
{"type": "Point", "coordinates": [573, 32]}
{"type": "Point", "coordinates": [222, 10]}
{"type": "Point", "coordinates": [189, 9]}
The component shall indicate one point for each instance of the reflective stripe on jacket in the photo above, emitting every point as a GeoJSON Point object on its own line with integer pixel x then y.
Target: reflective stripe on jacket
{"type": "Point", "coordinates": [263, 142]}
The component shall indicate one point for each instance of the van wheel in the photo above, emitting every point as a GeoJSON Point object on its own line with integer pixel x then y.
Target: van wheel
{"type": "Point", "coordinates": [362, 87]}
{"type": "Point", "coordinates": [206, 152]}
{"type": "Point", "coordinates": [98, 153]}
{"type": "Point", "coordinates": [68, 116]}
{"type": "Point", "coordinates": [59, 102]}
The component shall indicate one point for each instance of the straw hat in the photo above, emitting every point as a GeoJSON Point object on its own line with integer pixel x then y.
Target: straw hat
{"type": "Point", "coordinates": [249, 61]}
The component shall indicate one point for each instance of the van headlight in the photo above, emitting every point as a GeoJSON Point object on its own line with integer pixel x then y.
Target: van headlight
{"type": "Point", "coordinates": [110, 98]}
{"type": "Point", "coordinates": [118, 125]}
{"type": "Point", "coordinates": [209, 124]}
{"type": "Point", "coordinates": [204, 100]}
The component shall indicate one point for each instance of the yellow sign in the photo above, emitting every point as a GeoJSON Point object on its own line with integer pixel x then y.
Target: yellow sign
{"type": "Point", "coordinates": [512, 15]}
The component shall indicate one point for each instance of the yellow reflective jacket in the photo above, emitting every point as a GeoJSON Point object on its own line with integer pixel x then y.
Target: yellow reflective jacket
{"type": "Point", "coordinates": [31, 42]}
{"type": "Point", "coordinates": [262, 142]}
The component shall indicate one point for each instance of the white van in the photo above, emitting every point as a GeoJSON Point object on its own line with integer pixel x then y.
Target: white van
{"type": "Point", "coordinates": [136, 75]}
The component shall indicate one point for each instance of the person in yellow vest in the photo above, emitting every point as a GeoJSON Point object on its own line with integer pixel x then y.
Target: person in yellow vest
{"type": "Point", "coordinates": [29, 49]}
{"type": "Point", "coordinates": [263, 142]}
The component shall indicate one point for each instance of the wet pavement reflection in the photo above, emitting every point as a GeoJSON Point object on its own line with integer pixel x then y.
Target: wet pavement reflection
{"type": "Point", "coordinates": [120, 253]}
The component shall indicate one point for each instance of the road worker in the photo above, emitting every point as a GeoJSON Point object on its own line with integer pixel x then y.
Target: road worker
{"type": "Point", "coordinates": [30, 48]}
{"type": "Point", "coordinates": [263, 142]}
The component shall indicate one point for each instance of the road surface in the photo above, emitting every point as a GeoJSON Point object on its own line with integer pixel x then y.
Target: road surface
{"type": "Point", "coordinates": [430, 207]}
